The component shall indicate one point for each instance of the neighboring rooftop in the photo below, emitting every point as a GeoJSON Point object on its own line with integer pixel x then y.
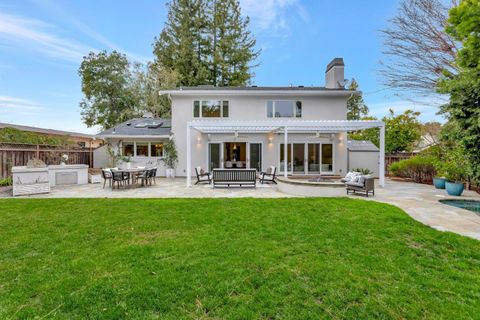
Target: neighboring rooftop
{"type": "Point", "coordinates": [139, 127]}
{"type": "Point", "coordinates": [45, 131]}
{"type": "Point", "coordinates": [361, 145]}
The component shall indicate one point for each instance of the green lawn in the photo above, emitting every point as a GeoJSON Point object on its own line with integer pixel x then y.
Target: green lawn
{"type": "Point", "coordinates": [230, 259]}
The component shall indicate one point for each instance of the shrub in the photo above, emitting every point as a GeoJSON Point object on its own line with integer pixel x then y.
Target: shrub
{"type": "Point", "coordinates": [363, 171]}
{"type": "Point", "coordinates": [418, 168]}
{"type": "Point", "coordinates": [6, 182]}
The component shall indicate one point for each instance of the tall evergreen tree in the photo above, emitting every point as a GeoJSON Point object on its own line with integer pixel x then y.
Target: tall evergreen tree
{"type": "Point", "coordinates": [233, 46]}
{"type": "Point", "coordinates": [207, 42]}
{"type": "Point", "coordinates": [356, 107]}
{"type": "Point", "coordinates": [182, 45]}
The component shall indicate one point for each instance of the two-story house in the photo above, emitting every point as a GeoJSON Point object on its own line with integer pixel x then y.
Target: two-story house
{"type": "Point", "coordinates": [299, 130]}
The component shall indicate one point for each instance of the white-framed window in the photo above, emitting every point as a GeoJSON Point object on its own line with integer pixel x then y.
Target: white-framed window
{"type": "Point", "coordinates": [284, 109]}
{"type": "Point", "coordinates": [210, 109]}
{"type": "Point", "coordinates": [142, 149]}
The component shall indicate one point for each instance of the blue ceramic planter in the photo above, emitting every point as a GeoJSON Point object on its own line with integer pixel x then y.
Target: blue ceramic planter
{"type": "Point", "coordinates": [454, 188]}
{"type": "Point", "coordinates": [439, 183]}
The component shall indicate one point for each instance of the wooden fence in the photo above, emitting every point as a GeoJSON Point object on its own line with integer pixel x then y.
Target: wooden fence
{"type": "Point", "coordinates": [18, 154]}
{"type": "Point", "coordinates": [395, 157]}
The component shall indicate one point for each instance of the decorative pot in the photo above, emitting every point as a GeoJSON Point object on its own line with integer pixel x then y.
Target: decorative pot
{"type": "Point", "coordinates": [454, 188]}
{"type": "Point", "coordinates": [170, 173]}
{"type": "Point", "coordinates": [439, 183]}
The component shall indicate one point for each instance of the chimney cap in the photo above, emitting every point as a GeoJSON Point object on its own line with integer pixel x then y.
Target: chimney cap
{"type": "Point", "coordinates": [336, 62]}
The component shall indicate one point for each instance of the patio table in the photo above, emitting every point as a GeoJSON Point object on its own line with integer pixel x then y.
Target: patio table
{"type": "Point", "coordinates": [131, 173]}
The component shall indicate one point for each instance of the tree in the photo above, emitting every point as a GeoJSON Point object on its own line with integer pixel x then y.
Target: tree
{"type": "Point", "coordinates": [206, 42]}
{"type": "Point", "coordinates": [108, 87]}
{"type": "Point", "coordinates": [182, 45]}
{"type": "Point", "coordinates": [356, 107]}
{"type": "Point", "coordinates": [233, 47]}
{"type": "Point", "coordinates": [154, 79]}
{"type": "Point", "coordinates": [401, 131]}
{"type": "Point", "coordinates": [417, 48]}
{"type": "Point", "coordinates": [463, 108]}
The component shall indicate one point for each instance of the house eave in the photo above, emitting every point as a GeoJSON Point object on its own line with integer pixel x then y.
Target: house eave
{"type": "Point", "coordinates": [119, 136]}
{"type": "Point", "coordinates": [256, 93]}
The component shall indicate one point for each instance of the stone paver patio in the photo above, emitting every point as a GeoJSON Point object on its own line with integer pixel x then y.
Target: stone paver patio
{"type": "Point", "coordinates": [417, 200]}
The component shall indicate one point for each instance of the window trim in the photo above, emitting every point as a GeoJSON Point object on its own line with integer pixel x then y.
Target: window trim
{"type": "Point", "coordinates": [149, 145]}
{"type": "Point", "coordinates": [294, 109]}
{"type": "Point", "coordinates": [200, 113]}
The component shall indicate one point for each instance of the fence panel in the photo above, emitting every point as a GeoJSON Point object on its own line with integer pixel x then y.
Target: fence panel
{"type": "Point", "coordinates": [395, 157]}
{"type": "Point", "coordinates": [18, 154]}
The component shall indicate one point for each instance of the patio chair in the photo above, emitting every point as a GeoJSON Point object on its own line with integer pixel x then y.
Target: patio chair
{"type": "Point", "coordinates": [269, 175]}
{"type": "Point", "coordinates": [120, 178]}
{"type": "Point", "coordinates": [107, 175]}
{"type": "Point", "coordinates": [154, 175]}
{"type": "Point", "coordinates": [143, 177]}
{"type": "Point", "coordinates": [202, 176]}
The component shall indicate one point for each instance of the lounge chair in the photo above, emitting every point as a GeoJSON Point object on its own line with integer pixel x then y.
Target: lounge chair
{"type": "Point", "coordinates": [363, 184]}
{"type": "Point", "coordinates": [202, 176]}
{"type": "Point", "coordinates": [269, 175]}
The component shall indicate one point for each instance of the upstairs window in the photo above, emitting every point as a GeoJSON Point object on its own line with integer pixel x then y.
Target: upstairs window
{"type": "Point", "coordinates": [284, 109]}
{"type": "Point", "coordinates": [210, 109]}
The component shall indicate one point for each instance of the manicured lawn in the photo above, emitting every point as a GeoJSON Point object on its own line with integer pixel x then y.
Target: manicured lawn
{"type": "Point", "coordinates": [231, 259]}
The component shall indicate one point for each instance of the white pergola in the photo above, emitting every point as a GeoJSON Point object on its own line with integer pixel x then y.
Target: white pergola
{"type": "Point", "coordinates": [285, 127]}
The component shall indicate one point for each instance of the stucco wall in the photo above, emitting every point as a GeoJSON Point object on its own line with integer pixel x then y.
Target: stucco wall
{"type": "Point", "coordinates": [254, 108]}
{"type": "Point", "coordinates": [364, 159]}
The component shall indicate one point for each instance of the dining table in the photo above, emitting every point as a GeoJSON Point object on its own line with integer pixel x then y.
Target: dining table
{"type": "Point", "coordinates": [132, 172]}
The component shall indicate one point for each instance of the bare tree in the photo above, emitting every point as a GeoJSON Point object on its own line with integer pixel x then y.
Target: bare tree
{"type": "Point", "coordinates": [416, 46]}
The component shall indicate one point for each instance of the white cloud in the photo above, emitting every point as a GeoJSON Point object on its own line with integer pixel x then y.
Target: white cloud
{"type": "Point", "coordinates": [427, 106]}
{"type": "Point", "coordinates": [273, 15]}
{"type": "Point", "coordinates": [59, 13]}
{"type": "Point", "coordinates": [19, 106]}
{"type": "Point", "coordinates": [38, 35]}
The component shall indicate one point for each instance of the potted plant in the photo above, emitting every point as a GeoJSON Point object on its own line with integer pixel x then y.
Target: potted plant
{"type": "Point", "coordinates": [457, 171]}
{"type": "Point", "coordinates": [64, 159]}
{"type": "Point", "coordinates": [439, 178]}
{"type": "Point", "coordinates": [170, 158]}
{"type": "Point", "coordinates": [128, 161]}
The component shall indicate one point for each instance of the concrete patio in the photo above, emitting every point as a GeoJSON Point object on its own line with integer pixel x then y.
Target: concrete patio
{"type": "Point", "coordinates": [418, 200]}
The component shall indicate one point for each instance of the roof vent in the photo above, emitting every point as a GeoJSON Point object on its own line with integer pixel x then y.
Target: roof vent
{"type": "Point", "coordinates": [147, 115]}
{"type": "Point", "coordinates": [129, 124]}
{"type": "Point", "coordinates": [301, 86]}
{"type": "Point", "coordinates": [254, 86]}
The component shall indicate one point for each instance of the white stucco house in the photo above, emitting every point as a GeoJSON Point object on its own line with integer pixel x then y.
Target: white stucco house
{"type": "Point", "coordinates": [251, 127]}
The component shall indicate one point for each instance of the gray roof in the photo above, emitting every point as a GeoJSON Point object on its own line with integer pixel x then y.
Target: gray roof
{"type": "Point", "coordinates": [361, 145]}
{"type": "Point", "coordinates": [257, 88]}
{"type": "Point", "coordinates": [44, 130]}
{"type": "Point", "coordinates": [140, 127]}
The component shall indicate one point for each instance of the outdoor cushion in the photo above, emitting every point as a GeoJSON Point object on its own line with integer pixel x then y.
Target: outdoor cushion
{"type": "Point", "coordinates": [361, 180]}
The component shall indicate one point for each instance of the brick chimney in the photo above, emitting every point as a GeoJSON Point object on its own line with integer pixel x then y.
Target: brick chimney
{"type": "Point", "coordinates": [335, 74]}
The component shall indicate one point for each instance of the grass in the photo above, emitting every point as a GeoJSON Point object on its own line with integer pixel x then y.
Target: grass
{"type": "Point", "coordinates": [230, 259]}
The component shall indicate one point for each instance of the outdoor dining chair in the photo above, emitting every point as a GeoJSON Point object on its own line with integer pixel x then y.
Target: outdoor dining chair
{"type": "Point", "coordinates": [121, 178]}
{"type": "Point", "coordinates": [107, 175]}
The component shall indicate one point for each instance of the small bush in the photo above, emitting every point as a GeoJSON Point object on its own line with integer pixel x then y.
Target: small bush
{"type": "Point", "coordinates": [363, 171]}
{"type": "Point", "coordinates": [6, 182]}
{"type": "Point", "coordinates": [418, 168]}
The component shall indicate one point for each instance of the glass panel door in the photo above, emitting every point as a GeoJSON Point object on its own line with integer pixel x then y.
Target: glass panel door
{"type": "Point", "coordinates": [313, 158]}
{"type": "Point", "coordinates": [327, 158]}
{"type": "Point", "coordinates": [289, 157]}
{"type": "Point", "coordinates": [213, 156]}
{"type": "Point", "coordinates": [256, 156]}
{"type": "Point", "coordinates": [298, 158]}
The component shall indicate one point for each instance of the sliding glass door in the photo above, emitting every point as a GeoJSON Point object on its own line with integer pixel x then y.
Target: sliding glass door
{"type": "Point", "coordinates": [289, 158]}
{"type": "Point", "coordinates": [307, 158]}
{"type": "Point", "coordinates": [327, 158]}
{"type": "Point", "coordinates": [298, 158]}
{"type": "Point", "coordinates": [313, 158]}
{"type": "Point", "coordinates": [255, 156]}
{"type": "Point", "coordinates": [214, 156]}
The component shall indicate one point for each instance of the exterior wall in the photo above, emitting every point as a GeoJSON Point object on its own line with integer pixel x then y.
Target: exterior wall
{"type": "Point", "coordinates": [254, 108]}
{"type": "Point", "coordinates": [364, 159]}
{"type": "Point", "coordinates": [102, 159]}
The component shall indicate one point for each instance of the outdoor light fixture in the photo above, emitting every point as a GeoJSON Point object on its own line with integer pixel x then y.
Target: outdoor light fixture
{"type": "Point", "coordinates": [270, 139]}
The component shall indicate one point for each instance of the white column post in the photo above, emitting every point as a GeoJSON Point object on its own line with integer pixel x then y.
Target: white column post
{"type": "Point", "coordinates": [381, 170]}
{"type": "Point", "coordinates": [285, 153]}
{"type": "Point", "coordinates": [189, 157]}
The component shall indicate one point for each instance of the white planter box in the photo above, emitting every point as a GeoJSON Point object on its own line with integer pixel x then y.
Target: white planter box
{"type": "Point", "coordinates": [95, 178]}
{"type": "Point", "coordinates": [28, 181]}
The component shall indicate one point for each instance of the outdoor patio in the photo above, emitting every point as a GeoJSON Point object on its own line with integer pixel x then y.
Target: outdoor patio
{"type": "Point", "coordinates": [418, 200]}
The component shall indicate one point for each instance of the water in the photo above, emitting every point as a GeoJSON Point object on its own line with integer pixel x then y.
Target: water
{"type": "Point", "coordinates": [472, 205]}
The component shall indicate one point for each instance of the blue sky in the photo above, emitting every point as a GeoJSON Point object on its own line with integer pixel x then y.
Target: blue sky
{"type": "Point", "coordinates": [42, 43]}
